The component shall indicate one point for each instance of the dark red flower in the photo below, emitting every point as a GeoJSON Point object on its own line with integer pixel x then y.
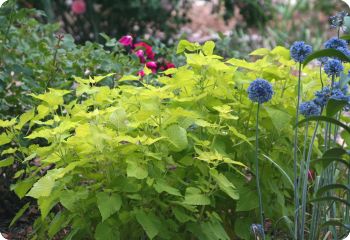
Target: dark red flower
{"type": "Point", "coordinates": [169, 65]}
{"type": "Point", "coordinates": [147, 48]}
{"type": "Point", "coordinates": [126, 40]}
{"type": "Point", "coordinates": [78, 7]}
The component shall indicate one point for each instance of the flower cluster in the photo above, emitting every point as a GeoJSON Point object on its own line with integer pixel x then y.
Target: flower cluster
{"type": "Point", "coordinates": [327, 93]}
{"type": "Point", "coordinates": [299, 51]}
{"type": "Point", "coordinates": [337, 44]}
{"type": "Point", "coordinates": [333, 67]}
{"type": "Point", "coordinates": [338, 20]}
{"type": "Point", "coordinates": [145, 54]}
{"type": "Point", "coordinates": [309, 108]}
{"type": "Point", "coordinates": [260, 91]}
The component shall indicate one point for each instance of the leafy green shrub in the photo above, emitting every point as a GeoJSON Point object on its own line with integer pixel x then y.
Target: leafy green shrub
{"type": "Point", "coordinates": [34, 57]}
{"type": "Point", "coordinates": [171, 160]}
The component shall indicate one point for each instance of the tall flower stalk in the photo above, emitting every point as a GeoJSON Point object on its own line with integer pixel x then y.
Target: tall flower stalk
{"type": "Point", "coordinates": [259, 91]}
{"type": "Point", "coordinates": [298, 51]}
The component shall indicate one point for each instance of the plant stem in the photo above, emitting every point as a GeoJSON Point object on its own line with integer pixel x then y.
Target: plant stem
{"type": "Point", "coordinates": [295, 155]}
{"type": "Point", "coordinates": [261, 211]}
{"type": "Point", "coordinates": [305, 180]}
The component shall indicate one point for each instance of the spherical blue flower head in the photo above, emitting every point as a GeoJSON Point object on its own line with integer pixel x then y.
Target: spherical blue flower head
{"type": "Point", "coordinates": [337, 94]}
{"type": "Point", "coordinates": [333, 67]}
{"type": "Point", "coordinates": [321, 97]}
{"type": "Point", "coordinates": [299, 51]}
{"type": "Point", "coordinates": [344, 89]}
{"type": "Point", "coordinates": [309, 108]}
{"type": "Point", "coordinates": [336, 43]}
{"type": "Point", "coordinates": [260, 91]}
{"type": "Point", "coordinates": [345, 51]}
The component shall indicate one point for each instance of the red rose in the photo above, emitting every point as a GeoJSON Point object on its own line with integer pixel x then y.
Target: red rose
{"type": "Point", "coordinates": [126, 40]}
{"type": "Point", "coordinates": [78, 7]}
{"type": "Point", "coordinates": [147, 48]}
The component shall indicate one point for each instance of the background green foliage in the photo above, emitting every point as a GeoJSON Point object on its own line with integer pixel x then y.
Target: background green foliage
{"type": "Point", "coordinates": [140, 16]}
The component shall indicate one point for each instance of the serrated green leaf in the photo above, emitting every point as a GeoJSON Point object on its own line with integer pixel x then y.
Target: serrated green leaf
{"type": "Point", "coordinates": [149, 223]}
{"type": "Point", "coordinates": [43, 187]}
{"type": "Point", "coordinates": [104, 231]}
{"type": "Point", "coordinates": [177, 136]}
{"type": "Point", "coordinates": [136, 170]}
{"type": "Point", "coordinates": [224, 184]}
{"type": "Point", "coordinates": [108, 204]}
{"type": "Point", "coordinates": [161, 186]}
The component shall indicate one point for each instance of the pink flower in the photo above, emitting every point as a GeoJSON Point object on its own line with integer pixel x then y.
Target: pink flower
{"type": "Point", "coordinates": [152, 65]}
{"type": "Point", "coordinates": [148, 49]}
{"type": "Point", "coordinates": [126, 40]}
{"type": "Point", "coordinates": [141, 73]}
{"type": "Point", "coordinates": [140, 54]}
{"type": "Point", "coordinates": [78, 7]}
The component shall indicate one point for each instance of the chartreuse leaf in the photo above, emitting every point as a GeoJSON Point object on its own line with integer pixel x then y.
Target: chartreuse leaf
{"type": "Point", "coordinates": [7, 123]}
{"type": "Point", "coordinates": [177, 136]}
{"type": "Point", "coordinates": [149, 223]}
{"type": "Point", "coordinates": [21, 188]}
{"type": "Point", "coordinates": [60, 221]}
{"type": "Point", "coordinates": [4, 139]}
{"type": "Point", "coordinates": [20, 213]}
{"type": "Point", "coordinates": [260, 52]}
{"type": "Point", "coordinates": [43, 187]}
{"type": "Point", "coordinates": [7, 162]}
{"type": "Point", "coordinates": [24, 118]}
{"type": "Point", "coordinates": [108, 204]}
{"type": "Point", "coordinates": [208, 48]}
{"type": "Point", "coordinates": [224, 184]}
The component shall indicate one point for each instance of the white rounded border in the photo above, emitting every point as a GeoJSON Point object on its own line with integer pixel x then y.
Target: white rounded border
{"type": "Point", "coordinates": [2, 2]}
{"type": "Point", "coordinates": [2, 237]}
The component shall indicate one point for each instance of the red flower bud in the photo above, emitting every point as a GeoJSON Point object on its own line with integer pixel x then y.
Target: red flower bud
{"type": "Point", "coordinates": [78, 7]}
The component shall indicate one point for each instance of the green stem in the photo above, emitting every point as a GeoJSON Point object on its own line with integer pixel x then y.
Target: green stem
{"type": "Point", "coordinates": [305, 180]}
{"type": "Point", "coordinates": [257, 169]}
{"type": "Point", "coordinates": [295, 155]}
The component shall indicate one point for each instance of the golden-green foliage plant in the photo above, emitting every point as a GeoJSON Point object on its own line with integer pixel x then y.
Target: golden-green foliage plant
{"type": "Point", "coordinates": [173, 159]}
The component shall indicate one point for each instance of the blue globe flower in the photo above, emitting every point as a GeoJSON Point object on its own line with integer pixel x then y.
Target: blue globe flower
{"type": "Point", "coordinates": [336, 43]}
{"type": "Point", "coordinates": [260, 91]}
{"type": "Point", "coordinates": [309, 108]}
{"type": "Point", "coordinates": [333, 67]}
{"type": "Point", "coordinates": [299, 51]}
{"type": "Point", "coordinates": [338, 94]}
{"type": "Point", "coordinates": [344, 88]}
{"type": "Point", "coordinates": [322, 96]}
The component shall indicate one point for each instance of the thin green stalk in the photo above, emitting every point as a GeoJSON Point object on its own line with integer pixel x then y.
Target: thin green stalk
{"type": "Point", "coordinates": [257, 169]}
{"type": "Point", "coordinates": [305, 180]}
{"type": "Point", "coordinates": [304, 155]}
{"type": "Point", "coordinates": [295, 155]}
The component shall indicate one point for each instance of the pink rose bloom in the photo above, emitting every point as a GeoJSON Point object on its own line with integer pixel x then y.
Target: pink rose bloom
{"type": "Point", "coordinates": [152, 65]}
{"type": "Point", "coordinates": [126, 40]}
{"type": "Point", "coordinates": [148, 49]}
{"type": "Point", "coordinates": [140, 54]}
{"type": "Point", "coordinates": [141, 73]}
{"type": "Point", "coordinates": [78, 7]}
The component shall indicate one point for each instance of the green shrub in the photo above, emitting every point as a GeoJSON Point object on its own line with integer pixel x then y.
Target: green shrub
{"type": "Point", "coordinates": [171, 161]}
